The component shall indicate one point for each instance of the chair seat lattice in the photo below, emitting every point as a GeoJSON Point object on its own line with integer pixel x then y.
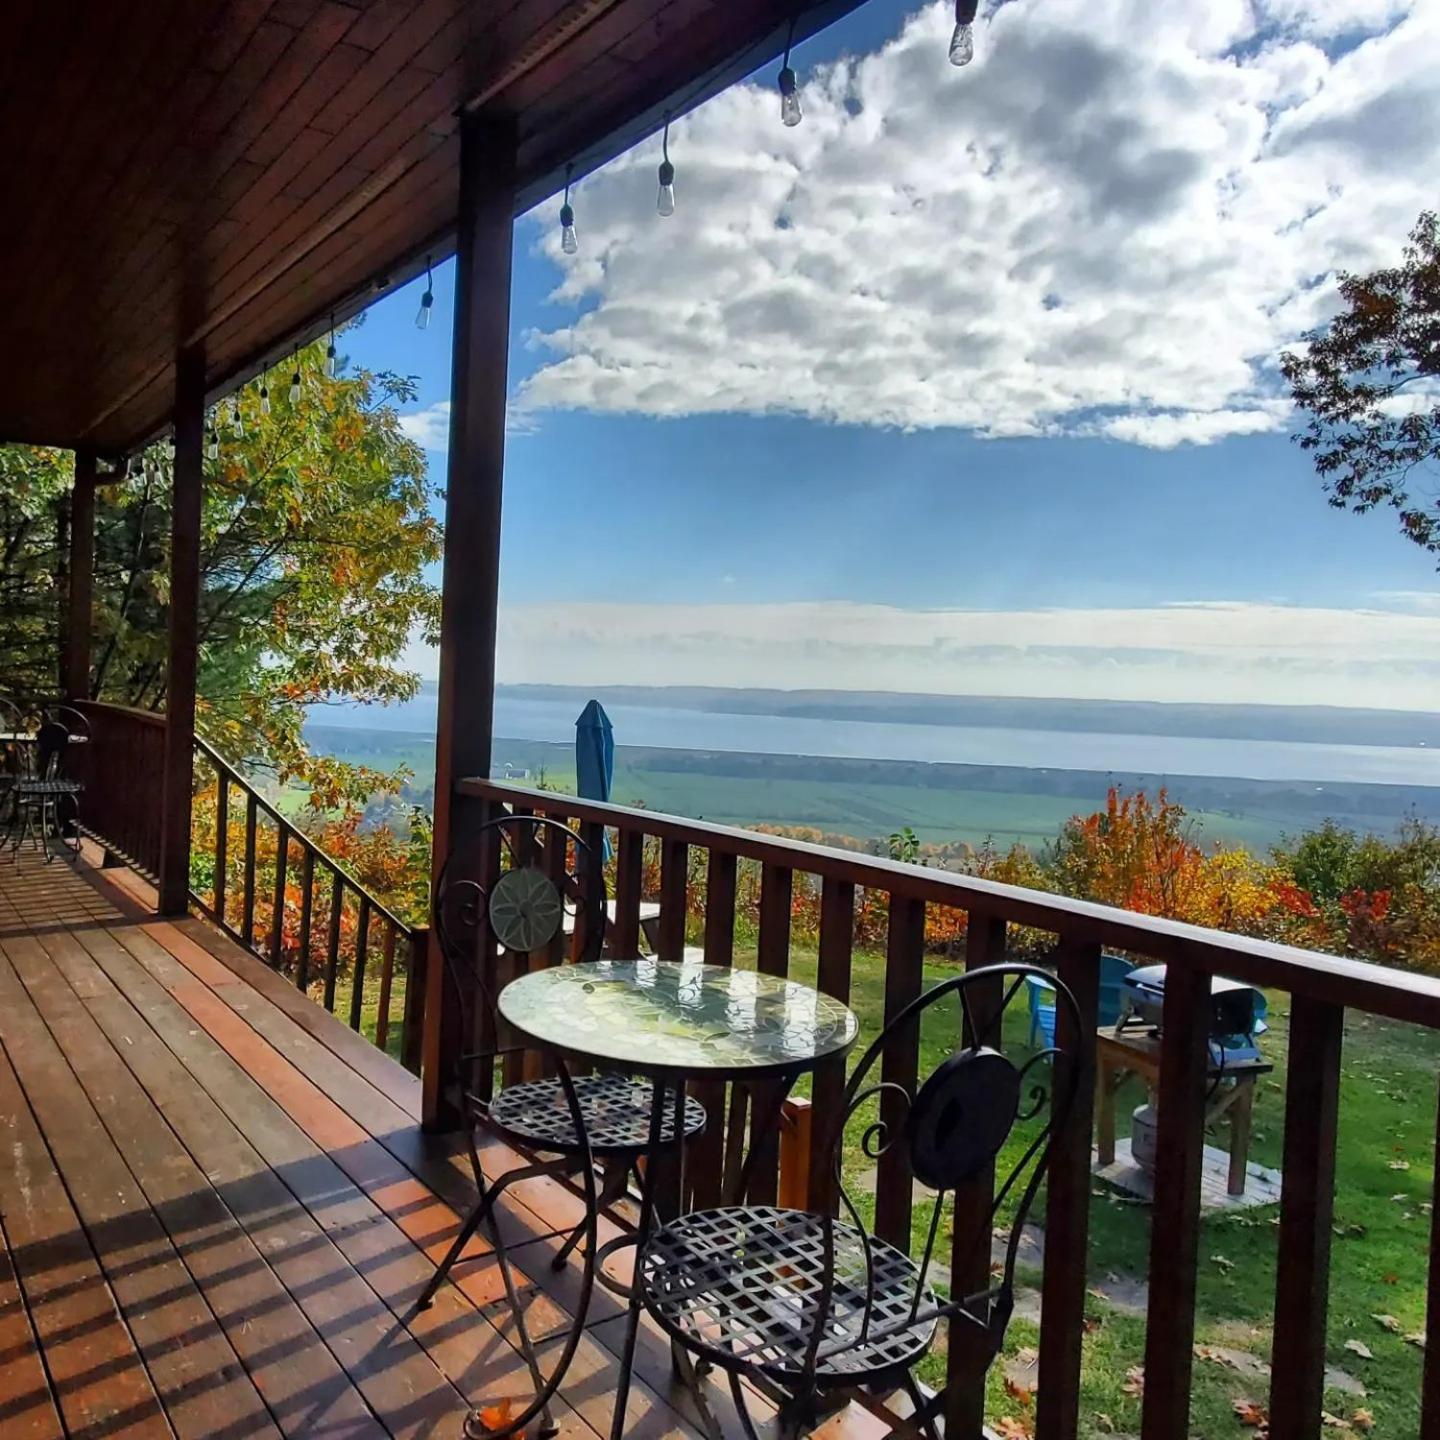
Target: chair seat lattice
{"type": "Point", "coordinates": [615, 1108]}
{"type": "Point", "coordinates": [742, 1286]}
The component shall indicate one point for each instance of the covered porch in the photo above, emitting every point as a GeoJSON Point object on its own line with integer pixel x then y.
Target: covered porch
{"type": "Point", "coordinates": [224, 1196]}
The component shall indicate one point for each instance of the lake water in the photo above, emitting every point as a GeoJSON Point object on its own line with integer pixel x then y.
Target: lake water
{"type": "Point", "coordinates": [961, 745]}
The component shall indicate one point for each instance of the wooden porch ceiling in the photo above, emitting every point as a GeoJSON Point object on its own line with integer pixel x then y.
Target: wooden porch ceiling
{"type": "Point", "coordinates": [229, 172]}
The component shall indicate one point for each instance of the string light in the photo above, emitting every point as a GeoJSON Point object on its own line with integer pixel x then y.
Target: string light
{"type": "Point", "coordinates": [295, 381]}
{"type": "Point", "coordinates": [665, 201]}
{"type": "Point", "coordinates": [170, 446]}
{"type": "Point", "coordinates": [790, 112]}
{"type": "Point", "coordinates": [962, 42]}
{"type": "Point", "coordinates": [264, 398]}
{"type": "Point", "coordinates": [568, 241]}
{"type": "Point", "coordinates": [214, 440]}
{"type": "Point", "coordinates": [330, 352]}
{"type": "Point", "coordinates": [237, 425]}
{"type": "Point", "coordinates": [427, 301]}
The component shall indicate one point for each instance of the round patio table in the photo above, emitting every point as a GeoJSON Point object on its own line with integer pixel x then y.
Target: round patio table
{"type": "Point", "coordinates": [675, 1021]}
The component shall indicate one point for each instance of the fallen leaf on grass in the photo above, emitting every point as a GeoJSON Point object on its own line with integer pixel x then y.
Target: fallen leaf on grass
{"type": "Point", "coordinates": [1021, 1394]}
{"type": "Point", "coordinates": [1011, 1427]}
{"type": "Point", "coordinates": [1027, 1354]}
{"type": "Point", "coordinates": [1134, 1380]}
{"type": "Point", "coordinates": [1333, 1422]}
{"type": "Point", "coordinates": [1390, 1278]}
{"type": "Point", "coordinates": [1416, 1338]}
{"type": "Point", "coordinates": [1399, 1164]}
{"type": "Point", "coordinates": [1226, 1265]}
{"type": "Point", "coordinates": [1252, 1413]}
{"type": "Point", "coordinates": [1360, 1348]}
{"type": "Point", "coordinates": [1363, 1420]}
{"type": "Point", "coordinates": [1387, 1322]}
{"type": "Point", "coordinates": [1214, 1356]}
{"type": "Point", "coordinates": [1092, 1323]}
{"type": "Point", "coordinates": [1104, 1422]}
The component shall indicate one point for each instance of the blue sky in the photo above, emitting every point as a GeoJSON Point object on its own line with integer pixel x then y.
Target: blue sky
{"type": "Point", "coordinates": [1064, 469]}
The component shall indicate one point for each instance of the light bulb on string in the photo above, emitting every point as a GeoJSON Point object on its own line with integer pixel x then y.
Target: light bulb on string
{"type": "Point", "coordinates": [264, 398]}
{"type": "Point", "coordinates": [214, 441]}
{"type": "Point", "coordinates": [569, 243]}
{"type": "Point", "coordinates": [962, 42]}
{"type": "Point", "coordinates": [295, 382]}
{"type": "Point", "coordinates": [330, 352]}
{"type": "Point", "coordinates": [170, 446]}
{"type": "Point", "coordinates": [237, 425]}
{"type": "Point", "coordinates": [427, 301]}
{"type": "Point", "coordinates": [790, 112]}
{"type": "Point", "coordinates": [665, 200]}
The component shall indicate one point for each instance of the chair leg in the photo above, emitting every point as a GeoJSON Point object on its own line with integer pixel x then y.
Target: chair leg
{"type": "Point", "coordinates": [548, 1427]}
{"type": "Point", "coordinates": [616, 1179]}
{"type": "Point", "coordinates": [472, 1222]}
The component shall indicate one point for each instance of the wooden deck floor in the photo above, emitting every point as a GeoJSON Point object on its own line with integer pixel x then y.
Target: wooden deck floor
{"type": "Point", "coordinates": [216, 1205]}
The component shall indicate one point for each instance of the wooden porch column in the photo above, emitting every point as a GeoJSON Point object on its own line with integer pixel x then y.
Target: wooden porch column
{"type": "Point", "coordinates": [76, 677]}
{"type": "Point", "coordinates": [470, 588]}
{"type": "Point", "coordinates": [183, 627]}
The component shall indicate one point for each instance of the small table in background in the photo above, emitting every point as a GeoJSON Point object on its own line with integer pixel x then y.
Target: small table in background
{"type": "Point", "coordinates": [1119, 1053]}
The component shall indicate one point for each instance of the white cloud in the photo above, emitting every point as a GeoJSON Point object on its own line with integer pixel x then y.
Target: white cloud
{"type": "Point", "coordinates": [1121, 206]}
{"type": "Point", "coordinates": [1225, 653]}
{"type": "Point", "coordinates": [429, 428]}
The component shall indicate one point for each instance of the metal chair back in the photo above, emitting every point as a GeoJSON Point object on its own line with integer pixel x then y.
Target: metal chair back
{"type": "Point", "coordinates": [51, 741]}
{"type": "Point", "coordinates": [980, 1121]}
{"type": "Point", "coordinates": [510, 890]}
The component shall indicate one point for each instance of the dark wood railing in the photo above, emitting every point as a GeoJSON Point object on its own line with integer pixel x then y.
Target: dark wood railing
{"type": "Point", "coordinates": [1323, 987]}
{"type": "Point", "coordinates": [281, 896]}
{"type": "Point", "coordinates": [120, 767]}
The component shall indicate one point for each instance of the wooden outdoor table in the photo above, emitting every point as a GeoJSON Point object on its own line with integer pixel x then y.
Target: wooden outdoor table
{"type": "Point", "coordinates": [1119, 1053]}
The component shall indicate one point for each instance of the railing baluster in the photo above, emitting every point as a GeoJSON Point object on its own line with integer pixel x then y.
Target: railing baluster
{"type": "Point", "coordinates": [332, 944]}
{"type": "Point", "coordinates": [967, 1357]}
{"type": "Point", "coordinates": [1307, 1206]}
{"type": "Point", "coordinates": [772, 957]}
{"type": "Point", "coordinates": [222, 836]}
{"type": "Point", "coordinates": [1175, 1215]}
{"type": "Point", "coordinates": [387, 975]}
{"type": "Point", "coordinates": [247, 922]}
{"type": "Point", "coordinates": [307, 916]}
{"type": "Point", "coordinates": [417, 959]}
{"type": "Point", "coordinates": [904, 971]}
{"type": "Point", "coordinates": [277, 915]}
{"type": "Point", "coordinates": [1430, 1383]}
{"type": "Point", "coordinates": [837, 941]}
{"type": "Point", "coordinates": [1067, 1206]}
{"type": "Point", "coordinates": [362, 947]}
{"type": "Point", "coordinates": [629, 872]}
{"type": "Point", "coordinates": [705, 1164]}
{"type": "Point", "coordinates": [674, 868]}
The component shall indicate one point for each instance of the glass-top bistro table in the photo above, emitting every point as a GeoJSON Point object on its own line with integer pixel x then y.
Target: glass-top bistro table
{"type": "Point", "coordinates": [675, 1021]}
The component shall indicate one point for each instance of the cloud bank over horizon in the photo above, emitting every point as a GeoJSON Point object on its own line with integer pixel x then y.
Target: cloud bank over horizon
{"type": "Point", "coordinates": [1228, 652]}
{"type": "Point", "coordinates": [1110, 224]}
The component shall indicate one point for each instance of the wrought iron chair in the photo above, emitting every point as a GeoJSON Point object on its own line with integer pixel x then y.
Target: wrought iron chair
{"type": "Point", "coordinates": [582, 1121]}
{"type": "Point", "coordinates": [812, 1308]}
{"type": "Point", "coordinates": [44, 800]}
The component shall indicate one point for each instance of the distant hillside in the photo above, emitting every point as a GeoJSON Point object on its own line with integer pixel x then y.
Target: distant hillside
{"type": "Point", "coordinates": [1328, 725]}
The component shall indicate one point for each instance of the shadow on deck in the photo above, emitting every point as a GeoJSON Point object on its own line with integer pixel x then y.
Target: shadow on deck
{"type": "Point", "coordinates": [218, 1205]}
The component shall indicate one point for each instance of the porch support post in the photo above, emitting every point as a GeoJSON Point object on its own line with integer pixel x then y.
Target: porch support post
{"type": "Point", "coordinates": [183, 628]}
{"type": "Point", "coordinates": [470, 588]}
{"type": "Point", "coordinates": [76, 679]}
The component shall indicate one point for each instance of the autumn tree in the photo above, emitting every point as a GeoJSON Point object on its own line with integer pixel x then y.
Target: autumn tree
{"type": "Point", "coordinates": [1369, 382]}
{"type": "Point", "coordinates": [317, 534]}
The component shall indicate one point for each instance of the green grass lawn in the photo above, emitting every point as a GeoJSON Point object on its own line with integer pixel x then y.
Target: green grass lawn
{"type": "Point", "coordinates": [1384, 1178]}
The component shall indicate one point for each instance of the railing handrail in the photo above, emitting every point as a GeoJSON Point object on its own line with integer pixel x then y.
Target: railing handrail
{"type": "Point", "coordinates": [131, 712]}
{"type": "Point", "coordinates": [1335, 979]}
{"type": "Point", "coordinates": [248, 789]}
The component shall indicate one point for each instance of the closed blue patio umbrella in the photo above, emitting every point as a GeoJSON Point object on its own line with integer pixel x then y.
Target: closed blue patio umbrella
{"type": "Point", "coordinates": [594, 753]}
{"type": "Point", "coordinates": [594, 756]}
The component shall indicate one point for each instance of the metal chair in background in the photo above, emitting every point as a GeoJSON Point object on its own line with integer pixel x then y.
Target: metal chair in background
{"type": "Point", "coordinates": [810, 1308]}
{"type": "Point", "coordinates": [45, 802]}
{"type": "Point", "coordinates": [574, 1125]}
